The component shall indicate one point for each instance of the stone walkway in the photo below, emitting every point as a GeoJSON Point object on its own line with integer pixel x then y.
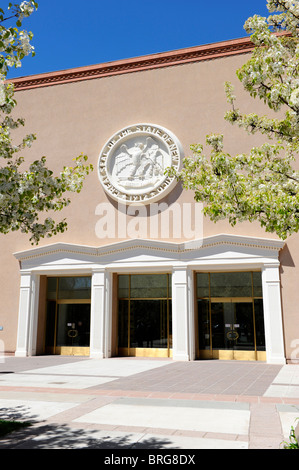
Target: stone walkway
{"type": "Point", "coordinates": [132, 403]}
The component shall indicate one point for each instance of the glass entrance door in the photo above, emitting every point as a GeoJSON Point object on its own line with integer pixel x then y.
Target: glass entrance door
{"type": "Point", "coordinates": [230, 316]}
{"type": "Point", "coordinates": [68, 316]}
{"type": "Point", "coordinates": [232, 326]}
{"type": "Point", "coordinates": [73, 328]}
{"type": "Point", "coordinates": [144, 315]}
{"type": "Point", "coordinates": [148, 324]}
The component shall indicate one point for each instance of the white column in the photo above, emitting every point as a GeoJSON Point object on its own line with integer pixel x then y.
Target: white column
{"type": "Point", "coordinates": [191, 315]}
{"type": "Point", "coordinates": [108, 314]}
{"type": "Point", "coordinates": [98, 323]}
{"type": "Point", "coordinates": [273, 315]}
{"type": "Point", "coordinates": [28, 315]}
{"type": "Point", "coordinates": [33, 315]}
{"type": "Point", "coordinates": [180, 316]}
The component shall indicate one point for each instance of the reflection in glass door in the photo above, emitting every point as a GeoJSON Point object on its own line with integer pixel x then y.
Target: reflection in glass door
{"type": "Point", "coordinates": [144, 315]}
{"type": "Point", "coordinates": [232, 325]}
{"type": "Point", "coordinates": [230, 316]}
{"type": "Point", "coordinates": [73, 325]}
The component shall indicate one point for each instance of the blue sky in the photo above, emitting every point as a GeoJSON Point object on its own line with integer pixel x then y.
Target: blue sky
{"type": "Point", "coordinates": [69, 34]}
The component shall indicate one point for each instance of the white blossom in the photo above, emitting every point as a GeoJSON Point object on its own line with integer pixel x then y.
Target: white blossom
{"type": "Point", "coordinates": [27, 48]}
{"type": "Point", "coordinates": [26, 9]}
{"type": "Point", "coordinates": [25, 195]}
{"type": "Point", "coordinates": [2, 93]}
{"type": "Point", "coordinates": [261, 185]}
{"type": "Point", "coordinates": [294, 98]}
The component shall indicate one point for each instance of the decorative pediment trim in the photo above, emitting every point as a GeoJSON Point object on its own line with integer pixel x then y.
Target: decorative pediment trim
{"type": "Point", "coordinates": [137, 64]}
{"type": "Point", "coordinates": [149, 246]}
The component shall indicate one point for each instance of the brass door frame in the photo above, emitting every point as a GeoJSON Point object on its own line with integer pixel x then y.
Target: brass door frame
{"type": "Point", "coordinates": [229, 354]}
{"type": "Point", "coordinates": [66, 350]}
{"type": "Point", "coordinates": [144, 352]}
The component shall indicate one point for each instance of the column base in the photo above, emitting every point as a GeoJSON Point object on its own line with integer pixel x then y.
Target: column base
{"type": "Point", "coordinates": [21, 354]}
{"type": "Point", "coordinates": [276, 360]}
{"type": "Point", "coordinates": [96, 355]}
{"type": "Point", "coordinates": [180, 357]}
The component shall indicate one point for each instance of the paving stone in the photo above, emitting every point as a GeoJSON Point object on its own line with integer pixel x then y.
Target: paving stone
{"type": "Point", "coordinates": [126, 403]}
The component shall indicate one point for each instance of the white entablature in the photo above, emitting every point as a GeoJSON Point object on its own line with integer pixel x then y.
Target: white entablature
{"type": "Point", "coordinates": [217, 251]}
{"type": "Point", "coordinates": [182, 260]}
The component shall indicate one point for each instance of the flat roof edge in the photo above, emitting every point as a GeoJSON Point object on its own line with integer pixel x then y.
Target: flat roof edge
{"type": "Point", "coordinates": [136, 64]}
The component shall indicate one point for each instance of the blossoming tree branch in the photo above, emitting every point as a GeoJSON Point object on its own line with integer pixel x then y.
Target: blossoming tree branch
{"type": "Point", "coordinates": [262, 185]}
{"type": "Point", "coordinates": [26, 194]}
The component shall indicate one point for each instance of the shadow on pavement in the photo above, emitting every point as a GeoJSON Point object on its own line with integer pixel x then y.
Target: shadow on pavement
{"type": "Point", "coordinates": [60, 436]}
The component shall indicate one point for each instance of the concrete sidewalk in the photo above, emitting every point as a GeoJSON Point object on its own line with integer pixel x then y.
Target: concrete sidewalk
{"type": "Point", "coordinates": [132, 403]}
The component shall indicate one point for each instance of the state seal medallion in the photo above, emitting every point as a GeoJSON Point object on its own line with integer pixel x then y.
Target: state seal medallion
{"type": "Point", "coordinates": [133, 161]}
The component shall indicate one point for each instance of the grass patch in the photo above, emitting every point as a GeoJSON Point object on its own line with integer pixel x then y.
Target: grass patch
{"type": "Point", "coordinates": [7, 427]}
{"type": "Point", "coordinates": [293, 440]}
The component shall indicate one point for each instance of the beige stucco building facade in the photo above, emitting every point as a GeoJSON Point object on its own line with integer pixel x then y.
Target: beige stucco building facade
{"type": "Point", "coordinates": [139, 270]}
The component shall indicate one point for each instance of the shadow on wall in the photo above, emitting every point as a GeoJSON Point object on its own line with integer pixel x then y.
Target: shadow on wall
{"type": "Point", "coordinates": [286, 258]}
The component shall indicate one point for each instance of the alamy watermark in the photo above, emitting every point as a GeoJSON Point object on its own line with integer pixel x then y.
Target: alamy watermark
{"type": "Point", "coordinates": [159, 221]}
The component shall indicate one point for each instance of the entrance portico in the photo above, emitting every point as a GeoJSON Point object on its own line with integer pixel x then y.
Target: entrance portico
{"type": "Point", "coordinates": [178, 262]}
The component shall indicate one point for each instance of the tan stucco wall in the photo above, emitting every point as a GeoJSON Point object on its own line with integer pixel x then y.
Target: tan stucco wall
{"type": "Point", "coordinates": [68, 119]}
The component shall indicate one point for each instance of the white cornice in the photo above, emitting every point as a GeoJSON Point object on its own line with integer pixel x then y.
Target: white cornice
{"type": "Point", "coordinates": [152, 245]}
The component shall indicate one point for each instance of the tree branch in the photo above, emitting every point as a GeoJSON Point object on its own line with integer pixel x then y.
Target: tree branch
{"type": "Point", "coordinates": [8, 18]}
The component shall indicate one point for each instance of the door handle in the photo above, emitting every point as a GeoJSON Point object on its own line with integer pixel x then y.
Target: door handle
{"type": "Point", "coordinates": [232, 335]}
